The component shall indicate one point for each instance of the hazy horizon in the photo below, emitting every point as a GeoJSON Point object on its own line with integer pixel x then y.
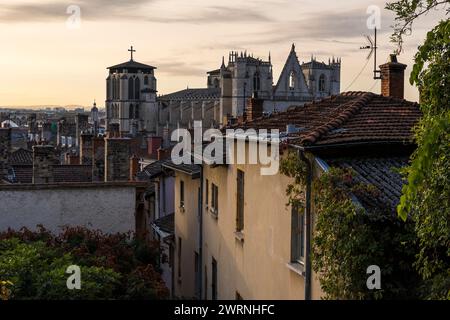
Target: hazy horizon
{"type": "Point", "coordinates": [44, 62]}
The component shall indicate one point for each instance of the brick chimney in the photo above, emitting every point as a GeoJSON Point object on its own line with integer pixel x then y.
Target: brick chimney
{"type": "Point", "coordinates": [117, 161]}
{"type": "Point", "coordinates": [44, 158]}
{"type": "Point", "coordinates": [393, 78]}
{"type": "Point", "coordinates": [254, 108]}
{"type": "Point", "coordinates": [134, 167]}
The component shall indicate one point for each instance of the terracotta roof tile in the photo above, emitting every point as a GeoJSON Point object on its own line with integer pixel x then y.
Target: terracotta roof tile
{"type": "Point", "coordinates": [346, 118]}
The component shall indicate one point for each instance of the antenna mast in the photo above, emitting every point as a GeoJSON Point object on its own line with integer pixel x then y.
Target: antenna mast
{"type": "Point", "coordinates": [373, 50]}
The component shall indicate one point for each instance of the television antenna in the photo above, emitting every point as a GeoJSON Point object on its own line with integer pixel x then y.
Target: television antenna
{"type": "Point", "coordinates": [372, 46]}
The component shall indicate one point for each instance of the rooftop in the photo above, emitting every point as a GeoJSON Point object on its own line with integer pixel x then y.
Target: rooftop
{"type": "Point", "coordinates": [193, 94]}
{"type": "Point", "coordinates": [131, 66]}
{"type": "Point", "coordinates": [379, 172]}
{"type": "Point", "coordinates": [348, 118]}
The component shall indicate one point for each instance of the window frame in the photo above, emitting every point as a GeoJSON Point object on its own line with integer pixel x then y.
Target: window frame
{"type": "Point", "coordinates": [297, 236]}
{"type": "Point", "coordinates": [240, 200]}
{"type": "Point", "coordinates": [182, 200]}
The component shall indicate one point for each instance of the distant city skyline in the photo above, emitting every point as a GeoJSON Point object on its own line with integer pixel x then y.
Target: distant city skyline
{"type": "Point", "coordinates": [47, 61]}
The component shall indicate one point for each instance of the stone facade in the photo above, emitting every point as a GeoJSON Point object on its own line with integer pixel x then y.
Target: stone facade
{"type": "Point", "coordinates": [131, 97]}
{"type": "Point", "coordinates": [230, 87]}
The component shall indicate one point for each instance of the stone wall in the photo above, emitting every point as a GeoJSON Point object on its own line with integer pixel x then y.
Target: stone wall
{"type": "Point", "coordinates": [108, 207]}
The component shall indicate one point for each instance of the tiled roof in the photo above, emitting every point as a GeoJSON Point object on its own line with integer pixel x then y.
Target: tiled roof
{"type": "Point", "coordinates": [166, 223]}
{"type": "Point", "coordinates": [352, 117]}
{"type": "Point", "coordinates": [379, 172]}
{"type": "Point", "coordinates": [193, 94]}
{"type": "Point", "coordinates": [62, 173]}
{"type": "Point", "coordinates": [190, 169]}
{"type": "Point", "coordinates": [150, 171]}
{"type": "Point", "coordinates": [21, 156]}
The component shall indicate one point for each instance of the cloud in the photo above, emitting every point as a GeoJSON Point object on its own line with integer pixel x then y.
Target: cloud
{"type": "Point", "coordinates": [126, 10]}
{"type": "Point", "coordinates": [338, 28]}
{"type": "Point", "coordinates": [177, 68]}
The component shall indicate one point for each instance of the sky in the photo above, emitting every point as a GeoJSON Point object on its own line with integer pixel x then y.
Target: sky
{"type": "Point", "coordinates": [55, 52]}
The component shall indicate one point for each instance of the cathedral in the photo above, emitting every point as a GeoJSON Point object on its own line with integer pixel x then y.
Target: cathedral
{"type": "Point", "coordinates": [132, 102]}
{"type": "Point", "coordinates": [131, 97]}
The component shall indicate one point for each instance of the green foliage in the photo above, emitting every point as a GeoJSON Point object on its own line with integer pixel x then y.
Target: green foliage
{"type": "Point", "coordinates": [407, 11]}
{"type": "Point", "coordinates": [347, 239]}
{"type": "Point", "coordinates": [426, 197]}
{"type": "Point", "coordinates": [292, 166]}
{"type": "Point", "coordinates": [112, 266]}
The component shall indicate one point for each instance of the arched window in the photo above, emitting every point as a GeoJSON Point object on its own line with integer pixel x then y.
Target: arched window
{"type": "Point", "coordinates": [322, 83]}
{"type": "Point", "coordinates": [117, 88]}
{"type": "Point", "coordinates": [292, 80]}
{"type": "Point", "coordinates": [137, 88]}
{"type": "Point", "coordinates": [146, 81]}
{"type": "Point", "coordinates": [131, 112]}
{"type": "Point", "coordinates": [256, 82]}
{"type": "Point", "coordinates": [130, 88]}
{"type": "Point", "coordinates": [136, 112]}
{"type": "Point", "coordinates": [113, 84]}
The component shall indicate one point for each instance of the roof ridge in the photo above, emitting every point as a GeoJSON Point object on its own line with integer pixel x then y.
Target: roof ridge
{"type": "Point", "coordinates": [349, 109]}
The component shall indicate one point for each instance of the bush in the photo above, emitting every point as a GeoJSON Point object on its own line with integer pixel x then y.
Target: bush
{"type": "Point", "coordinates": [112, 266]}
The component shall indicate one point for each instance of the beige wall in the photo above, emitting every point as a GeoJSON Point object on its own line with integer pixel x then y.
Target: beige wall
{"type": "Point", "coordinates": [186, 228]}
{"type": "Point", "coordinates": [257, 267]}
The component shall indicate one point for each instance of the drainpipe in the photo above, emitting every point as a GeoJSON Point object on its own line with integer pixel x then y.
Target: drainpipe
{"type": "Point", "coordinates": [200, 245]}
{"type": "Point", "coordinates": [308, 226]}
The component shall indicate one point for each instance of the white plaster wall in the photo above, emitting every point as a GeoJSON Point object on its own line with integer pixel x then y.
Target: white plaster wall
{"type": "Point", "coordinates": [108, 209]}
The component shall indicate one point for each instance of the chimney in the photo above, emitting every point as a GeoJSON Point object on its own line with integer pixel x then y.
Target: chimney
{"type": "Point", "coordinates": [117, 161]}
{"type": "Point", "coordinates": [254, 108]}
{"type": "Point", "coordinates": [164, 153]}
{"type": "Point", "coordinates": [86, 146]}
{"type": "Point", "coordinates": [44, 159]}
{"type": "Point", "coordinates": [154, 143]}
{"type": "Point", "coordinates": [134, 167]}
{"type": "Point", "coordinates": [393, 78]}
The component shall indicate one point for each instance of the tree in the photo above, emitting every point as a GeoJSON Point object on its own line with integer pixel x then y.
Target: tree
{"type": "Point", "coordinates": [426, 197]}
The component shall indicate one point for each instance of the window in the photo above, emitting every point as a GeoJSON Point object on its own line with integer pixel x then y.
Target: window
{"type": "Point", "coordinates": [322, 83]}
{"type": "Point", "coordinates": [240, 201]}
{"type": "Point", "coordinates": [206, 192]}
{"type": "Point", "coordinates": [297, 236]}
{"type": "Point", "coordinates": [137, 88]}
{"type": "Point", "coordinates": [146, 80]}
{"type": "Point", "coordinates": [292, 80]}
{"type": "Point", "coordinates": [214, 279]}
{"type": "Point", "coordinates": [181, 194]}
{"type": "Point", "coordinates": [131, 88]}
{"type": "Point", "coordinates": [179, 259]}
{"type": "Point", "coordinates": [136, 112]}
{"type": "Point", "coordinates": [256, 82]}
{"type": "Point", "coordinates": [214, 199]}
{"type": "Point", "coordinates": [131, 112]}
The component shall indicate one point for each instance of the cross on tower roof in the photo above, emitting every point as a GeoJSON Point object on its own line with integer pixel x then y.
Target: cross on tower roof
{"type": "Point", "coordinates": [131, 50]}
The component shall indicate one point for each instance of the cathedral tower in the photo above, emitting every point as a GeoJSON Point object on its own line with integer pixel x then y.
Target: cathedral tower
{"type": "Point", "coordinates": [131, 97]}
